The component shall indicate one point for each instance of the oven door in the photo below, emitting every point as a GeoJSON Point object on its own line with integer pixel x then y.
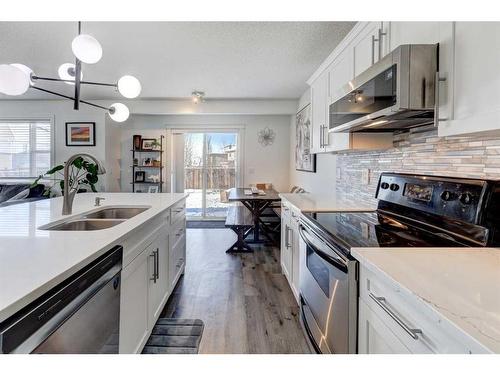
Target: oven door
{"type": "Point", "coordinates": [328, 290]}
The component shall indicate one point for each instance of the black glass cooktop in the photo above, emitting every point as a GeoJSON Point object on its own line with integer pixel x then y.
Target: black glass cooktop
{"type": "Point", "coordinates": [374, 229]}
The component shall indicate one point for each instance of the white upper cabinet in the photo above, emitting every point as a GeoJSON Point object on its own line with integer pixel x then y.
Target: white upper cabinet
{"type": "Point", "coordinates": [340, 72]}
{"type": "Point", "coordinates": [319, 91]}
{"type": "Point", "coordinates": [413, 33]}
{"type": "Point", "coordinates": [469, 97]}
{"type": "Point", "coordinates": [355, 54]}
{"type": "Point", "coordinates": [368, 46]}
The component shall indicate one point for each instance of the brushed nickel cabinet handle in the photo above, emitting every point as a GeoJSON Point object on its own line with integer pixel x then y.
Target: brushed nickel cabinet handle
{"type": "Point", "coordinates": [153, 277]}
{"type": "Point", "coordinates": [438, 80]}
{"type": "Point", "coordinates": [157, 263]}
{"type": "Point", "coordinates": [381, 301]}
{"type": "Point", "coordinates": [380, 35]}
{"type": "Point", "coordinates": [373, 49]}
{"type": "Point", "coordinates": [286, 236]}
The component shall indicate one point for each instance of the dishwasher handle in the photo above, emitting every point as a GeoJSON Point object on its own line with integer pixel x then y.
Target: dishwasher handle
{"type": "Point", "coordinates": [28, 328]}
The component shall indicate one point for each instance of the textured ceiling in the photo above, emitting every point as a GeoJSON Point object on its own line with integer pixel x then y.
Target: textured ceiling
{"type": "Point", "coordinates": [225, 59]}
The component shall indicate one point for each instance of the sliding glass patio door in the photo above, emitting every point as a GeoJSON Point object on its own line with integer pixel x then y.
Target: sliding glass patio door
{"type": "Point", "coordinates": [210, 168]}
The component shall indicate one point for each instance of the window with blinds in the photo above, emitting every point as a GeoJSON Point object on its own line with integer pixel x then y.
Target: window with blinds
{"type": "Point", "coordinates": [25, 148]}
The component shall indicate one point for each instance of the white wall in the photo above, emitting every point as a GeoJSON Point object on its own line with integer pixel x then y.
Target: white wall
{"type": "Point", "coordinates": [261, 164]}
{"type": "Point", "coordinates": [321, 182]}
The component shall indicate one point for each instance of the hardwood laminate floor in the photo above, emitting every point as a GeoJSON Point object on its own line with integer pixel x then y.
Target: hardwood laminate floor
{"type": "Point", "coordinates": [243, 299]}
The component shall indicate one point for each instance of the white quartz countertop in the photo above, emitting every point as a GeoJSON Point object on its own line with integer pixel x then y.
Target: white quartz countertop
{"type": "Point", "coordinates": [461, 284]}
{"type": "Point", "coordinates": [32, 261]}
{"type": "Point", "coordinates": [309, 202]}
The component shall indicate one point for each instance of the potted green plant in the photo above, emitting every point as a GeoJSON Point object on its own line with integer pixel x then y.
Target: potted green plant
{"type": "Point", "coordinates": [82, 171]}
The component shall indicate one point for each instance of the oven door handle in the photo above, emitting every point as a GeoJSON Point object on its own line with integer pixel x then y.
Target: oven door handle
{"type": "Point", "coordinates": [336, 261]}
{"type": "Point", "coordinates": [306, 327]}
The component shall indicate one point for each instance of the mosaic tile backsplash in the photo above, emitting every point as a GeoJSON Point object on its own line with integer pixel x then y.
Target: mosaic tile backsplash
{"type": "Point", "coordinates": [418, 151]}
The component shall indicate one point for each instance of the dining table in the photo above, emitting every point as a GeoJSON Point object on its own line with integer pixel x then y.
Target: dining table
{"type": "Point", "coordinates": [256, 204]}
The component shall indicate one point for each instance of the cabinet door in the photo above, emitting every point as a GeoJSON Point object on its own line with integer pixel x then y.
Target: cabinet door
{"type": "Point", "coordinates": [473, 78]}
{"type": "Point", "coordinates": [134, 305]}
{"type": "Point", "coordinates": [159, 287]}
{"type": "Point", "coordinates": [366, 51]}
{"type": "Point", "coordinates": [413, 33]}
{"type": "Point", "coordinates": [319, 92]}
{"type": "Point", "coordinates": [374, 337]}
{"type": "Point", "coordinates": [339, 74]}
{"type": "Point", "coordinates": [295, 261]}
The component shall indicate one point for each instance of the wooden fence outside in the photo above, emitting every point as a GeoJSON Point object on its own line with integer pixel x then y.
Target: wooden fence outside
{"type": "Point", "coordinates": [219, 178]}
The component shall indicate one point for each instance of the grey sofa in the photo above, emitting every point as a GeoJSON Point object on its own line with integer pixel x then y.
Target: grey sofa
{"type": "Point", "coordinates": [16, 193]}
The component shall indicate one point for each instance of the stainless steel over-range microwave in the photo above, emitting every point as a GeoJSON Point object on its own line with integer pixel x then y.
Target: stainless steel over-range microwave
{"type": "Point", "coordinates": [397, 92]}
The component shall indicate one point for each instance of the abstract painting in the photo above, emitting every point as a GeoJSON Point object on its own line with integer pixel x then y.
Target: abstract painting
{"type": "Point", "coordinates": [304, 159]}
{"type": "Point", "coordinates": [80, 134]}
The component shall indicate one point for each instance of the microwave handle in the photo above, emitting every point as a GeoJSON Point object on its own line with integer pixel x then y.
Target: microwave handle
{"type": "Point", "coordinates": [336, 261]}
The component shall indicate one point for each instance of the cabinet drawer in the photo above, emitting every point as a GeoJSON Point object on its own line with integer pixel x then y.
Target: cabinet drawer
{"type": "Point", "coordinates": [177, 260]}
{"type": "Point", "coordinates": [416, 324]}
{"type": "Point", "coordinates": [177, 232]}
{"type": "Point", "coordinates": [178, 212]}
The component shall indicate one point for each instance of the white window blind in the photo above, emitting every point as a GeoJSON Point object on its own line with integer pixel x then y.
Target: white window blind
{"type": "Point", "coordinates": [25, 148]}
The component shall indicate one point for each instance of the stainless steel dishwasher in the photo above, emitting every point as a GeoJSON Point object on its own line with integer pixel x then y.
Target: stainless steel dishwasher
{"type": "Point", "coordinates": [80, 315]}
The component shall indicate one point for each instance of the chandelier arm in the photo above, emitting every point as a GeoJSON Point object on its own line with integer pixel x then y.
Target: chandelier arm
{"type": "Point", "coordinates": [69, 97]}
{"type": "Point", "coordinates": [99, 83]}
{"type": "Point", "coordinates": [51, 92]}
{"type": "Point", "coordinates": [37, 78]}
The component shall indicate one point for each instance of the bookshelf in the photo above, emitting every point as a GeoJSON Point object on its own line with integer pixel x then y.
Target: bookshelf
{"type": "Point", "coordinates": [140, 155]}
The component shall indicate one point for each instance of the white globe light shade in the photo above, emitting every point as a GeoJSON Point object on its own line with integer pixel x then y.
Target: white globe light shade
{"type": "Point", "coordinates": [129, 87]}
{"type": "Point", "coordinates": [118, 112]}
{"type": "Point", "coordinates": [86, 48]}
{"type": "Point", "coordinates": [13, 81]}
{"type": "Point", "coordinates": [67, 72]}
{"type": "Point", "coordinates": [26, 70]}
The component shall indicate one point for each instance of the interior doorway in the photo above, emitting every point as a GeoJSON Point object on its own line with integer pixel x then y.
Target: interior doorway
{"type": "Point", "coordinates": [206, 165]}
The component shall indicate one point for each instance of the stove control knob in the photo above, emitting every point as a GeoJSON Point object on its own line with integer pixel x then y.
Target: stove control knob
{"type": "Point", "coordinates": [384, 185]}
{"type": "Point", "coordinates": [394, 187]}
{"type": "Point", "coordinates": [448, 195]}
{"type": "Point", "coordinates": [466, 198]}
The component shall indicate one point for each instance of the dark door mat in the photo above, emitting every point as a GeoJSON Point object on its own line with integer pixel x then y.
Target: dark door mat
{"type": "Point", "coordinates": [175, 336]}
{"type": "Point", "coordinates": [199, 224]}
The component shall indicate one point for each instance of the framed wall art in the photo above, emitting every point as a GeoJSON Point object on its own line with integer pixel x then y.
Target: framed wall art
{"type": "Point", "coordinates": [304, 159]}
{"type": "Point", "coordinates": [80, 134]}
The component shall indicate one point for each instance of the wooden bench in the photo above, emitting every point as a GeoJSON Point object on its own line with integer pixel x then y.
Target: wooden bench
{"type": "Point", "coordinates": [239, 219]}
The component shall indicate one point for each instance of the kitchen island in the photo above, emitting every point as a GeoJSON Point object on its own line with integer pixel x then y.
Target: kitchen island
{"type": "Point", "coordinates": [33, 260]}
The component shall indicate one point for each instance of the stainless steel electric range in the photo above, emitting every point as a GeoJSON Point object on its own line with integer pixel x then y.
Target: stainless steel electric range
{"type": "Point", "coordinates": [412, 211]}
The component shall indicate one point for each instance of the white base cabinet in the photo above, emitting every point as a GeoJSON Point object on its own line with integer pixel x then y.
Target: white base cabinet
{"type": "Point", "coordinates": [154, 259]}
{"type": "Point", "coordinates": [290, 249]}
{"type": "Point", "coordinates": [393, 320]}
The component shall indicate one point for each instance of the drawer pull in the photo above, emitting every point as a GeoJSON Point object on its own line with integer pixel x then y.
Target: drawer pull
{"type": "Point", "coordinates": [381, 301]}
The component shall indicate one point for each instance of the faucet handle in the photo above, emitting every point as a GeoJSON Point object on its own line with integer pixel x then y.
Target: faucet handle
{"type": "Point", "coordinates": [98, 201]}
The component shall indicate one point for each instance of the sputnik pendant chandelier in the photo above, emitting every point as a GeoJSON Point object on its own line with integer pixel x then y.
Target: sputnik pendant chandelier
{"type": "Point", "coordinates": [16, 79]}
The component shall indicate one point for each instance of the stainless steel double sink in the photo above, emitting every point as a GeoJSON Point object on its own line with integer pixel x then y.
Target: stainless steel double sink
{"type": "Point", "coordinates": [103, 218]}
